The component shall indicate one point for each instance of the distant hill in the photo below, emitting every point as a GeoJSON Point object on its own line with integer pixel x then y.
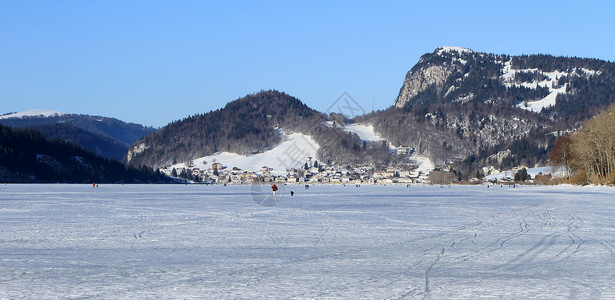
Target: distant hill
{"type": "Point", "coordinates": [27, 156]}
{"type": "Point", "coordinates": [252, 125]}
{"type": "Point", "coordinates": [104, 136]}
{"type": "Point", "coordinates": [99, 144]}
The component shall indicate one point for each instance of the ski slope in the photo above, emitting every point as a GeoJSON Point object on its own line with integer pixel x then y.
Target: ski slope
{"type": "Point", "coordinates": [365, 132]}
{"type": "Point", "coordinates": [370, 242]}
{"type": "Point", "coordinates": [293, 152]}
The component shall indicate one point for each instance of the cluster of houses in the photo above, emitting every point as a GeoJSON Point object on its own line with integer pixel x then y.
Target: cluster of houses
{"type": "Point", "coordinates": [220, 174]}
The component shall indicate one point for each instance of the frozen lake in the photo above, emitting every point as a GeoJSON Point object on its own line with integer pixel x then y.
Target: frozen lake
{"type": "Point", "coordinates": [370, 242]}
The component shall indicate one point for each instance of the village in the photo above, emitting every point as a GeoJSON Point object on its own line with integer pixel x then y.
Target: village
{"type": "Point", "coordinates": [220, 174]}
{"type": "Point", "coordinates": [313, 172]}
{"type": "Point", "coordinates": [308, 172]}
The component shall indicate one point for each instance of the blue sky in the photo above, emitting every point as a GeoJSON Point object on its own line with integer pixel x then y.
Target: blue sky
{"type": "Point", "coordinates": [153, 62]}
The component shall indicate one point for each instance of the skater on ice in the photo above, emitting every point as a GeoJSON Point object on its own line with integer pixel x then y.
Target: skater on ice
{"type": "Point", "coordinates": [274, 188]}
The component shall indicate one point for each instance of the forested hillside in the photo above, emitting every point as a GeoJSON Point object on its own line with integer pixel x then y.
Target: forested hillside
{"type": "Point", "coordinates": [27, 156]}
{"type": "Point", "coordinates": [99, 144]}
{"type": "Point", "coordinates": [454, 131]}
{"type": "Point", "coordinates": [249, 125]}
{"type": "Point", "coordinates": [126, 133]}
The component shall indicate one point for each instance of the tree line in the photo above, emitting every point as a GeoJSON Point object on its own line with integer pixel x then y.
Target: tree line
{"type": "Point", "coordinates": [588, 155]}
{"type": "Point", "coordinates": [27, 156]}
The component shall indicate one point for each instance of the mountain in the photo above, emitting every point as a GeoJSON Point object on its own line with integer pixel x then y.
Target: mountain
{"type": "Point", "coordinates": [27, 156]}
{"type": "Point", "coordinates": [481, 109]}
{"type": "Point", "coordinates": [531, 82]}
{"type": "Point", "coordinates": [104, 136]}
{"type": "Point", "coordinates": [251, 125]}
{"type": "Point", "coordinates": [458, 107]}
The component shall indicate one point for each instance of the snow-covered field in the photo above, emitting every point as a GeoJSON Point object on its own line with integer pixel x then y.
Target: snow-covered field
{"type": "Point", "coordinates": [368, 242]}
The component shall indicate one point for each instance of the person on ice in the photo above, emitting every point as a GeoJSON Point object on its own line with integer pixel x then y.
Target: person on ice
{"type": "Point", "coordinates": [274, 188]}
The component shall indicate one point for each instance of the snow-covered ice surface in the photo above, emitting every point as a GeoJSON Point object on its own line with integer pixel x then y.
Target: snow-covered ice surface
{"type": "Point", "coordinates": [370, 242]}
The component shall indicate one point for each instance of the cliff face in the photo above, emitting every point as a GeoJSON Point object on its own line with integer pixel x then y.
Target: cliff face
{"type": "Point", "coordinates": [432, 71]}
{"type": "Point", "coordinates": [421, 79]}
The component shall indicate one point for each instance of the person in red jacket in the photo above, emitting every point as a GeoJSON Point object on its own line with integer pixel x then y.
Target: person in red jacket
{"type": "Point", "coordinates": [274, 188]}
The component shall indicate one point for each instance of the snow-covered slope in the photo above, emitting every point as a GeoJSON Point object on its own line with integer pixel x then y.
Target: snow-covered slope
{"type": "Point", "coordinates": [293, 152]}
{"type": "Point", "coordinates": [424, 164]}
{"type": "Point", "coordinates": [365, 132]}
{"type": "Point", "coordinates": [33, 113]}
{"type": "Point", "coordinates": [550, 81]}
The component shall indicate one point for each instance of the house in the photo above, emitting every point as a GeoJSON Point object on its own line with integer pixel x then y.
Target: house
{"type": "Point", "coordinates": [384, 174]}
{"type": "Point", "coordinates": [266, 171]}
{"type": "Point", "coordinates": [255, 179]}
{"type": "Point", "coordinates": [216, 166]}
{"type": "Point", "coordinates": [291, 178]}
{"type": "Point", "coordinates": [236, 179]}
{"type": "Point", "coordinates": [387, 181]}
{"type": "Point", "coordinates": [404, 150]}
